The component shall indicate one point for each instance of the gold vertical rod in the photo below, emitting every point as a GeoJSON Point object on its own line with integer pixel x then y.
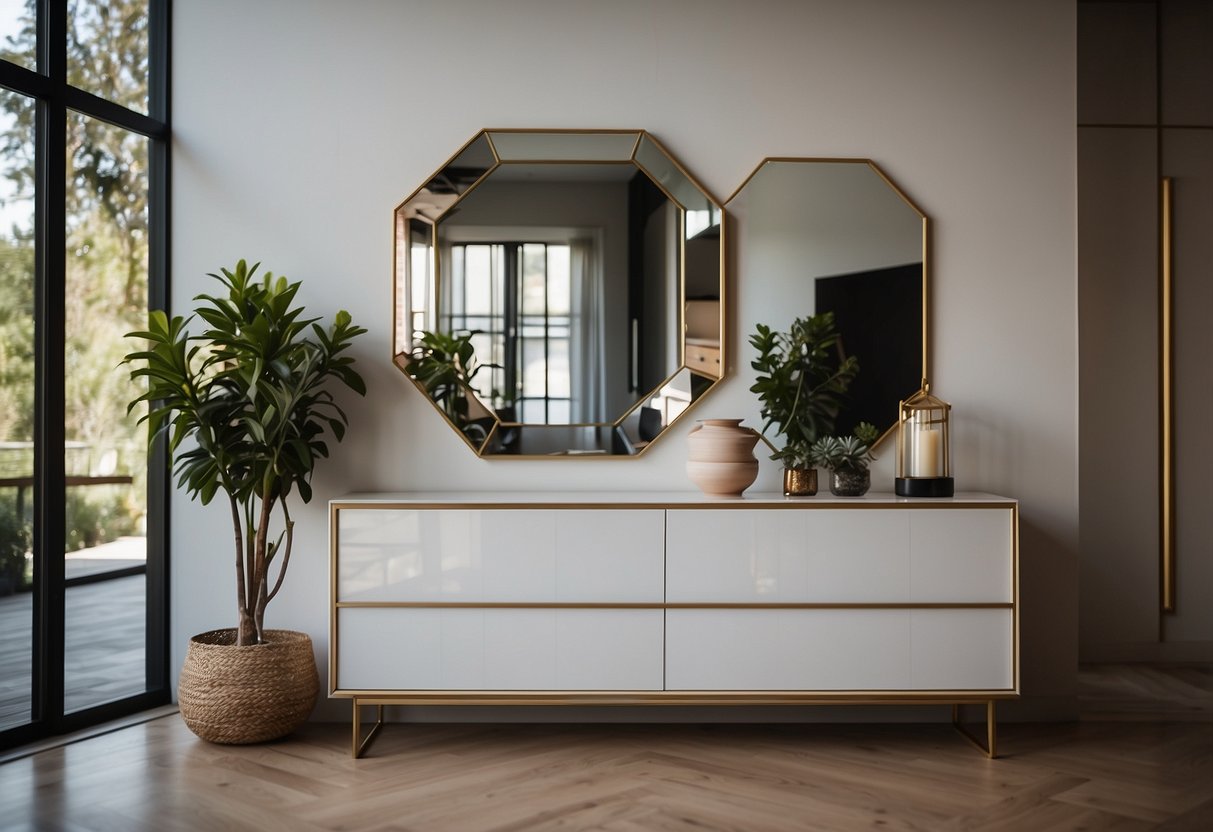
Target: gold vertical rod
{"type": "Point", "coordinates": [1166, 403]}
{"type": "Point", "coordinates": [991, 731]}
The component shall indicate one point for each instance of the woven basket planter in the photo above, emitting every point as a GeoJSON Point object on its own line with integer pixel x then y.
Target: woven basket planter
{"type": "Point", "coordinates": [236, 695]}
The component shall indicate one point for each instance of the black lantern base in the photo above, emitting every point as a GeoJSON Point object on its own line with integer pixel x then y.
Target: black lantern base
{"type": "Point", "coordinates": [924, 486]}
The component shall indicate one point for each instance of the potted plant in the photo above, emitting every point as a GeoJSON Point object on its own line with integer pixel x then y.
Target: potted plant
{"type": "Point", "coordinates": [251, 395]}
{"type": "Point", "coordinates": [848, 459]}
{"type": "Point", "coordinates": [444, 366]}
{"type": "Point", "coordinates": [801, 381]}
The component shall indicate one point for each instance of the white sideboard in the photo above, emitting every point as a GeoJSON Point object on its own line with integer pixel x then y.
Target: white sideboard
{"type": "Point", "coordinates": [592, 598]}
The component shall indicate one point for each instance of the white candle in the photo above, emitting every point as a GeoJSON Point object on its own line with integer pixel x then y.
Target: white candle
{"type": "Point", "coordinates": [926, 452]}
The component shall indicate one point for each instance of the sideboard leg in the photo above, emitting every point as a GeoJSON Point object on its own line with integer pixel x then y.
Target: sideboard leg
{"type": "Point", "coordinates": [990, 748]}
{"type": "Point", "coordinates": [360, 745]}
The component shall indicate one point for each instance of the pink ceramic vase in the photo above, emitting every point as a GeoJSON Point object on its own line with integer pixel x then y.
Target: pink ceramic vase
{"type": "Point", "coordinates": [720, 458]}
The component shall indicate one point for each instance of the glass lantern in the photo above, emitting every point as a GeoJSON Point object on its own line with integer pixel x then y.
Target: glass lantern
{"type": "Point", "coordinates": [924, 464]}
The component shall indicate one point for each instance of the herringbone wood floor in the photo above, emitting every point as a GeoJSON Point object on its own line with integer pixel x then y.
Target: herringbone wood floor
{"type": "Point", "coordinates": [1097, 775]}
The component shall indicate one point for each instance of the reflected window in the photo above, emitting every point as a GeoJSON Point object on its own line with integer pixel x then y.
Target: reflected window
{"type": "Point", "coordinates": [516, 297]}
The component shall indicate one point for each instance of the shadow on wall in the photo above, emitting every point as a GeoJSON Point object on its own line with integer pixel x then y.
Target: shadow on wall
{"type": "Point", "coordinates": [1048, 618]}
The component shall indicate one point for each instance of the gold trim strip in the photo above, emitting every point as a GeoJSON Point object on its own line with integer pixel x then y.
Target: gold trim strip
{"type": "Point", "coordinates": [678, 697]}
{"type": "Point", "coordinates": [792, 503]}
{"type": "Point", "coordinates": [690, 605]}
{"type": "Point", "coordinates": [1167, 401]}
{"type": "Point", "coordinates": [333, 550]}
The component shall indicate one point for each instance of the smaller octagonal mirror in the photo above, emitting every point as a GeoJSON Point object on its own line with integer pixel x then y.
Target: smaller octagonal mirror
{"type": "Point", "coordinates": [838, 235]}
{"type": "Point", "coordinates": [559, 293]}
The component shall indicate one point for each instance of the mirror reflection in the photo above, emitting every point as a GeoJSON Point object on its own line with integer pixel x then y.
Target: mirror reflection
{"type": "Point", "coordinates": [837, 234]}
{"type": "Point", "coordinates": [551, 287]}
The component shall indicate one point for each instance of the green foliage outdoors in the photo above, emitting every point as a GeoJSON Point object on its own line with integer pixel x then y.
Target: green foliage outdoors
{"type": "Point", "coordinates": [847, 453]}
{"type": "Point", "coordinates": [14, 544]}
{"type": "Point", "coordinates": [251, 394]}
{"type": "Point", "coordinates": [445, 365]}
{"type": "Point", "coordinates": [801, 382]}
{"type": "Point", "coordinates": [106, 268]}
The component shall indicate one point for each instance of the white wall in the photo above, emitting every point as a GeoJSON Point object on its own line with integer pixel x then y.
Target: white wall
{"type": "Point", "coordinates": [300, 125]}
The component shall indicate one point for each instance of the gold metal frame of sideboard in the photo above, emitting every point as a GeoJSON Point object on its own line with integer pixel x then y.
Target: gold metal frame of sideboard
{"type": "Point", "coordinates": [380, 698]}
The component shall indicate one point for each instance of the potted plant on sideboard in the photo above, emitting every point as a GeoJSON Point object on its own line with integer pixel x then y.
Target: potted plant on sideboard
{"type": "Point", "coordinates": [251, 395]}
{"type": "Point", "coordinates": [848, 459]}
{"type": "Point", "coordinates": [801, 381]}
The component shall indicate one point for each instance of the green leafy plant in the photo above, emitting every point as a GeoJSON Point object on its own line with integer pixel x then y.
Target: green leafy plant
{"type": "Point", "coordinates": [445, 365]}
{"type": "Point", "coordinates": [802, 380]}
{"type": "Point", "coordinates": [847, 453]}
{"type": "Point", "coordinates": [251, 392]}
{"type": "Point", "coordinates": [14, 545]}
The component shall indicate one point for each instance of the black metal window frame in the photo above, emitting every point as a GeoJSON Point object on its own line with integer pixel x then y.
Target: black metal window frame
{"type": "Point", "coordinates": [55, 98]}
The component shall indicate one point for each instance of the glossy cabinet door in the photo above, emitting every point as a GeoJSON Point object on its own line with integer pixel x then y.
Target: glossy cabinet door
{"type": "Point", "coordinates": [496, 555]}
{"type": "Point", "coordinates": [961, 555]}
{"type": "Point", "coordinates": [962, 649]}
{"type": "Point", "coordinates": [401, 649]}
{"type": "Point", "coordinates": [839, 556]}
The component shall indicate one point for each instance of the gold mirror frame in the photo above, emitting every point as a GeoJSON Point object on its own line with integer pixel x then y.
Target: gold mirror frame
{"type": "Point", "coordinates": [417, 261]}
{"type": "Point", "coordinates": [797, 212]}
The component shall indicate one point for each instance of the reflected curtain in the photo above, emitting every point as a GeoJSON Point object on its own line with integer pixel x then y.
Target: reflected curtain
{"type": "Point", "coordinates": [588, 349]}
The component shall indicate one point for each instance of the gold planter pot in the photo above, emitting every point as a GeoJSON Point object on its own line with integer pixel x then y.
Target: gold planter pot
{"type": "Point", "coordinates": [236, 695]}
{"type": "Point", "coordinates": [799, 482]}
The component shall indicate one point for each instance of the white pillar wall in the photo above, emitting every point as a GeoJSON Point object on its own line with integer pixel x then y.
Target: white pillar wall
{"type": "Point", "coordinates": [298, 126]}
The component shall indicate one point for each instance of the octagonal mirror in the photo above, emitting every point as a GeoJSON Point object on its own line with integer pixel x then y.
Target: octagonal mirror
{"type": "Point", "coordinates": [838, 235]}
{"type": "Point", "coordinates": [558, 293]}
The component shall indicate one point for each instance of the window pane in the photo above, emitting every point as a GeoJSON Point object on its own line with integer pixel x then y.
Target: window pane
{"type": "Point", "coordinates": [106, 635]}
{"type": "Point", "coordinates": [558, 411]}
{"type": "Point", "coordinates": [479, 280]}
{"type": "Point", "coordinates": [107, 49]}
{"type": "Point", "coordinates": [105, 451]}
{"type": "Point", "coordinates": [558, 280]}
{"type": "Point", "coordinates": [534, 279]}
{"type": "Point", "coordinates": [558, 368]}
{"type": "Point", "coordinates": [16, 406]}
{"type": "Point", "coordinates": [17, 32]}
{"type": "Point", "coordinates": [534, 368]}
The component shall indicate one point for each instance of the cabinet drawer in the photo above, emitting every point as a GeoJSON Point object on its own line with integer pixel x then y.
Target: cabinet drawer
{"type": "Point", "coordinates": [705, 360]}
{"type": "Point", "coordinates": [811, 556]}
{"type": "Point", "coordinates": [500, 555]}
{"type": "Point", "coordinates": [840, 650]}
{"type": "Point", "coordinates": [396, 649]}
{"type": "Point", "coordinates": [840, 556]}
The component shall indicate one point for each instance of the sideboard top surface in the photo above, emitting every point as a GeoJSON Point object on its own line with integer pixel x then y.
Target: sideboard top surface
{"type": "Point", "coordinates": [658, 499]}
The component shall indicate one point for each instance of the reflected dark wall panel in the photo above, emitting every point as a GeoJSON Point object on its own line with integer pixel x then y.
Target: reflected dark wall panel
{"type": "Point", "coordinates": [879, 315]}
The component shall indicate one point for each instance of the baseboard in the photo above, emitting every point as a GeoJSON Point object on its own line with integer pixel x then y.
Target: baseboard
{"type": "Point", "coordinates": [1149, 651]}
{"type": "Point", "coordinates": [87, 733]}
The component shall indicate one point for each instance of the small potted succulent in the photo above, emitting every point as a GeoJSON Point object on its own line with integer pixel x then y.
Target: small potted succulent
{"type": "Point", "coordinates": [802, 379]}
{"type": "Point", "coordinates": [848, 458]}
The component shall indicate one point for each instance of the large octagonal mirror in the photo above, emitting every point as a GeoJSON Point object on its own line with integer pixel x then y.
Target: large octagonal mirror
{"type": "Point", "coordinates": [838, 235]}
{"type": "Point", "coordinates": [558, 293]}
